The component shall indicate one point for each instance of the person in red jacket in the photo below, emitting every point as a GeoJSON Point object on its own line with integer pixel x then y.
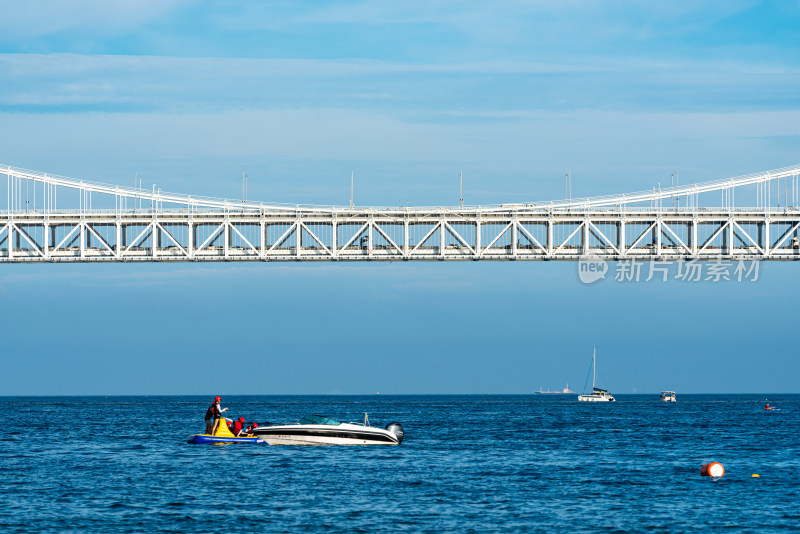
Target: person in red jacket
{"type": "Point", "coordinates": [237, 426]}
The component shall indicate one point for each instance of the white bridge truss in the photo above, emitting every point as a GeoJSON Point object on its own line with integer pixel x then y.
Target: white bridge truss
{"type": "Point", "coordinates": [133, 224]}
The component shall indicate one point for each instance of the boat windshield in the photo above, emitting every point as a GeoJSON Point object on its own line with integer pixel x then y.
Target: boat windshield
{"type": "Point", "coordinates": [317, 420]}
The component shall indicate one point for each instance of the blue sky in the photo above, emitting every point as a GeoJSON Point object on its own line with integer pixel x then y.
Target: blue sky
{"type": "Point", "coordinates": [298, 94]}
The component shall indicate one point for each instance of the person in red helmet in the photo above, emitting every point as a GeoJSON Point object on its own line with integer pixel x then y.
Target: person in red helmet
{"type": "Point", "coordinates": [238, 426]}
{"type": "Point", "coordinates": [213, 415]}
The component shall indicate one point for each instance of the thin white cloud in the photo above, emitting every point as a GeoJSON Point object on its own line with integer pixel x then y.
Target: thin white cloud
{"type": "Point", "coordinates": [422, 28]}
{"type": "Point", "coordinates": [476, 15]}
{"type": "Point", "coordinates": [36, 18]}
{"type": "Point", "coordinates": [172, 83]}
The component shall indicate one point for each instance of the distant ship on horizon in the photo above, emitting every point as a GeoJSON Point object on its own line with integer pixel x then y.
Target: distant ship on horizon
{"type": "Point", "coordinates": [565, 391]}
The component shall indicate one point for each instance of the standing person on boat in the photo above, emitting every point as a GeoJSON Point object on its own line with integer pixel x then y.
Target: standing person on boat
{"type": "Point", "coordinates": [213, 415]}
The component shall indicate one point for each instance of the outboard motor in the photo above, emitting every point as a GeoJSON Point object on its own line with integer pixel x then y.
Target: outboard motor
{"type": "Point", "coordinates": [397, 430]}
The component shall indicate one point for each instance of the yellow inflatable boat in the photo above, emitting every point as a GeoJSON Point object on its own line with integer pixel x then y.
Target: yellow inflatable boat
{"type": "Point", "coordinates": [221, 436]}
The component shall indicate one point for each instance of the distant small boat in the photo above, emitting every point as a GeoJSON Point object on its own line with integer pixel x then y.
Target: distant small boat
{"type": "Point", "coordinates": [597, 394]}
{"type": "Point", "coordinates": [565, 391]}
{"type": "Point", "coordinates": [668, 396]}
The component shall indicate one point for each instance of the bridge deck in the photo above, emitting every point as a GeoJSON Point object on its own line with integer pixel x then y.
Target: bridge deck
{"type": "Point", "coordinates": [391, 235]}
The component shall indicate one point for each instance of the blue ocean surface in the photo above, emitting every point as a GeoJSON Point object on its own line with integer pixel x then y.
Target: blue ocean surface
{"type": "Point", "coordinates": [528, 463]}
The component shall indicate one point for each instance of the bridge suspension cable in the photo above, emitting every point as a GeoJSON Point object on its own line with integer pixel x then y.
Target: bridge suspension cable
{"type": "Point", "coordinates": [653, 197]}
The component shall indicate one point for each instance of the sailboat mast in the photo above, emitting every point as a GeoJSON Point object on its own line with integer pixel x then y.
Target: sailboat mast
{"type": "Point", "coordinates": [594, 366]}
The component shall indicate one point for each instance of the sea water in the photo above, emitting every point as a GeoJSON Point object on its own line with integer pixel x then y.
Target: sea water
{"type": "Point", "coordinates": [468, 463]}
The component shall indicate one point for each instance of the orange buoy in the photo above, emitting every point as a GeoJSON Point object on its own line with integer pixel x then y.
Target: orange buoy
{"type": "Point", "coordinates": [712, 469]}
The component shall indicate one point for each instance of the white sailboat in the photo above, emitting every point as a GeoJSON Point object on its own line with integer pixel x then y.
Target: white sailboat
{"type": "Point", "coordinates": [597, 394]}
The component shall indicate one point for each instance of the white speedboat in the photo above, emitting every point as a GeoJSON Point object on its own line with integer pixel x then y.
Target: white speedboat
{"type": "Point", "coordinates": [597, 394]}
{"type": "Point", "coordinates": [319, 430]}
{"type": "Point", "coordinates": [668, 396]}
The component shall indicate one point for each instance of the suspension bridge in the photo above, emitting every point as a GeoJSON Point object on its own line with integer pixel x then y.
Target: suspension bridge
{"type": "Point", "coordinates": [51, 218]}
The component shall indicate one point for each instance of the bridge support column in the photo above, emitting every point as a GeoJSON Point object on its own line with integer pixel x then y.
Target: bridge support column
{"type": "Point", "coordinates": [658, 237]}
{"type": "Point", "coordinates": [153, 234]}
{"type": "Point", "coordinates": [83, 239]}
{"type": "Point", "coordinates": [334, 238]}
{"type": "Point", "coordinates": [10, 238]}
{"type": "Point", "coordinates": [585, 237]}
{"type": "Point", "coordinates": [441, 239]}
{"type": "Point", "coordinates": [694, 236]}
{"type": "Point", "coordinates": [190, 239]}
{"type": "Point", "coordinates": [405, 239]}
{"type": "Point", "coordinates": [118, 247]}
{"type": "Point", "coordinates": [298, 239]}
{"type": "Point", "coordinates": [550, 235]}
{"type": "Point", "coordinates": [46, 240]}
{"type": "Point", "coordinates": [621, 239]}
{"type": "Point", "coordinates": [730, 236]}
{"type": "Point", "coordinates": [514, 237]}
{"type": "Point", "coordinates": [370, 227]}
{"type": "Point", "coordinates": [227, 237]}
{"type": "Point", "coordinates": [478, 238]}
